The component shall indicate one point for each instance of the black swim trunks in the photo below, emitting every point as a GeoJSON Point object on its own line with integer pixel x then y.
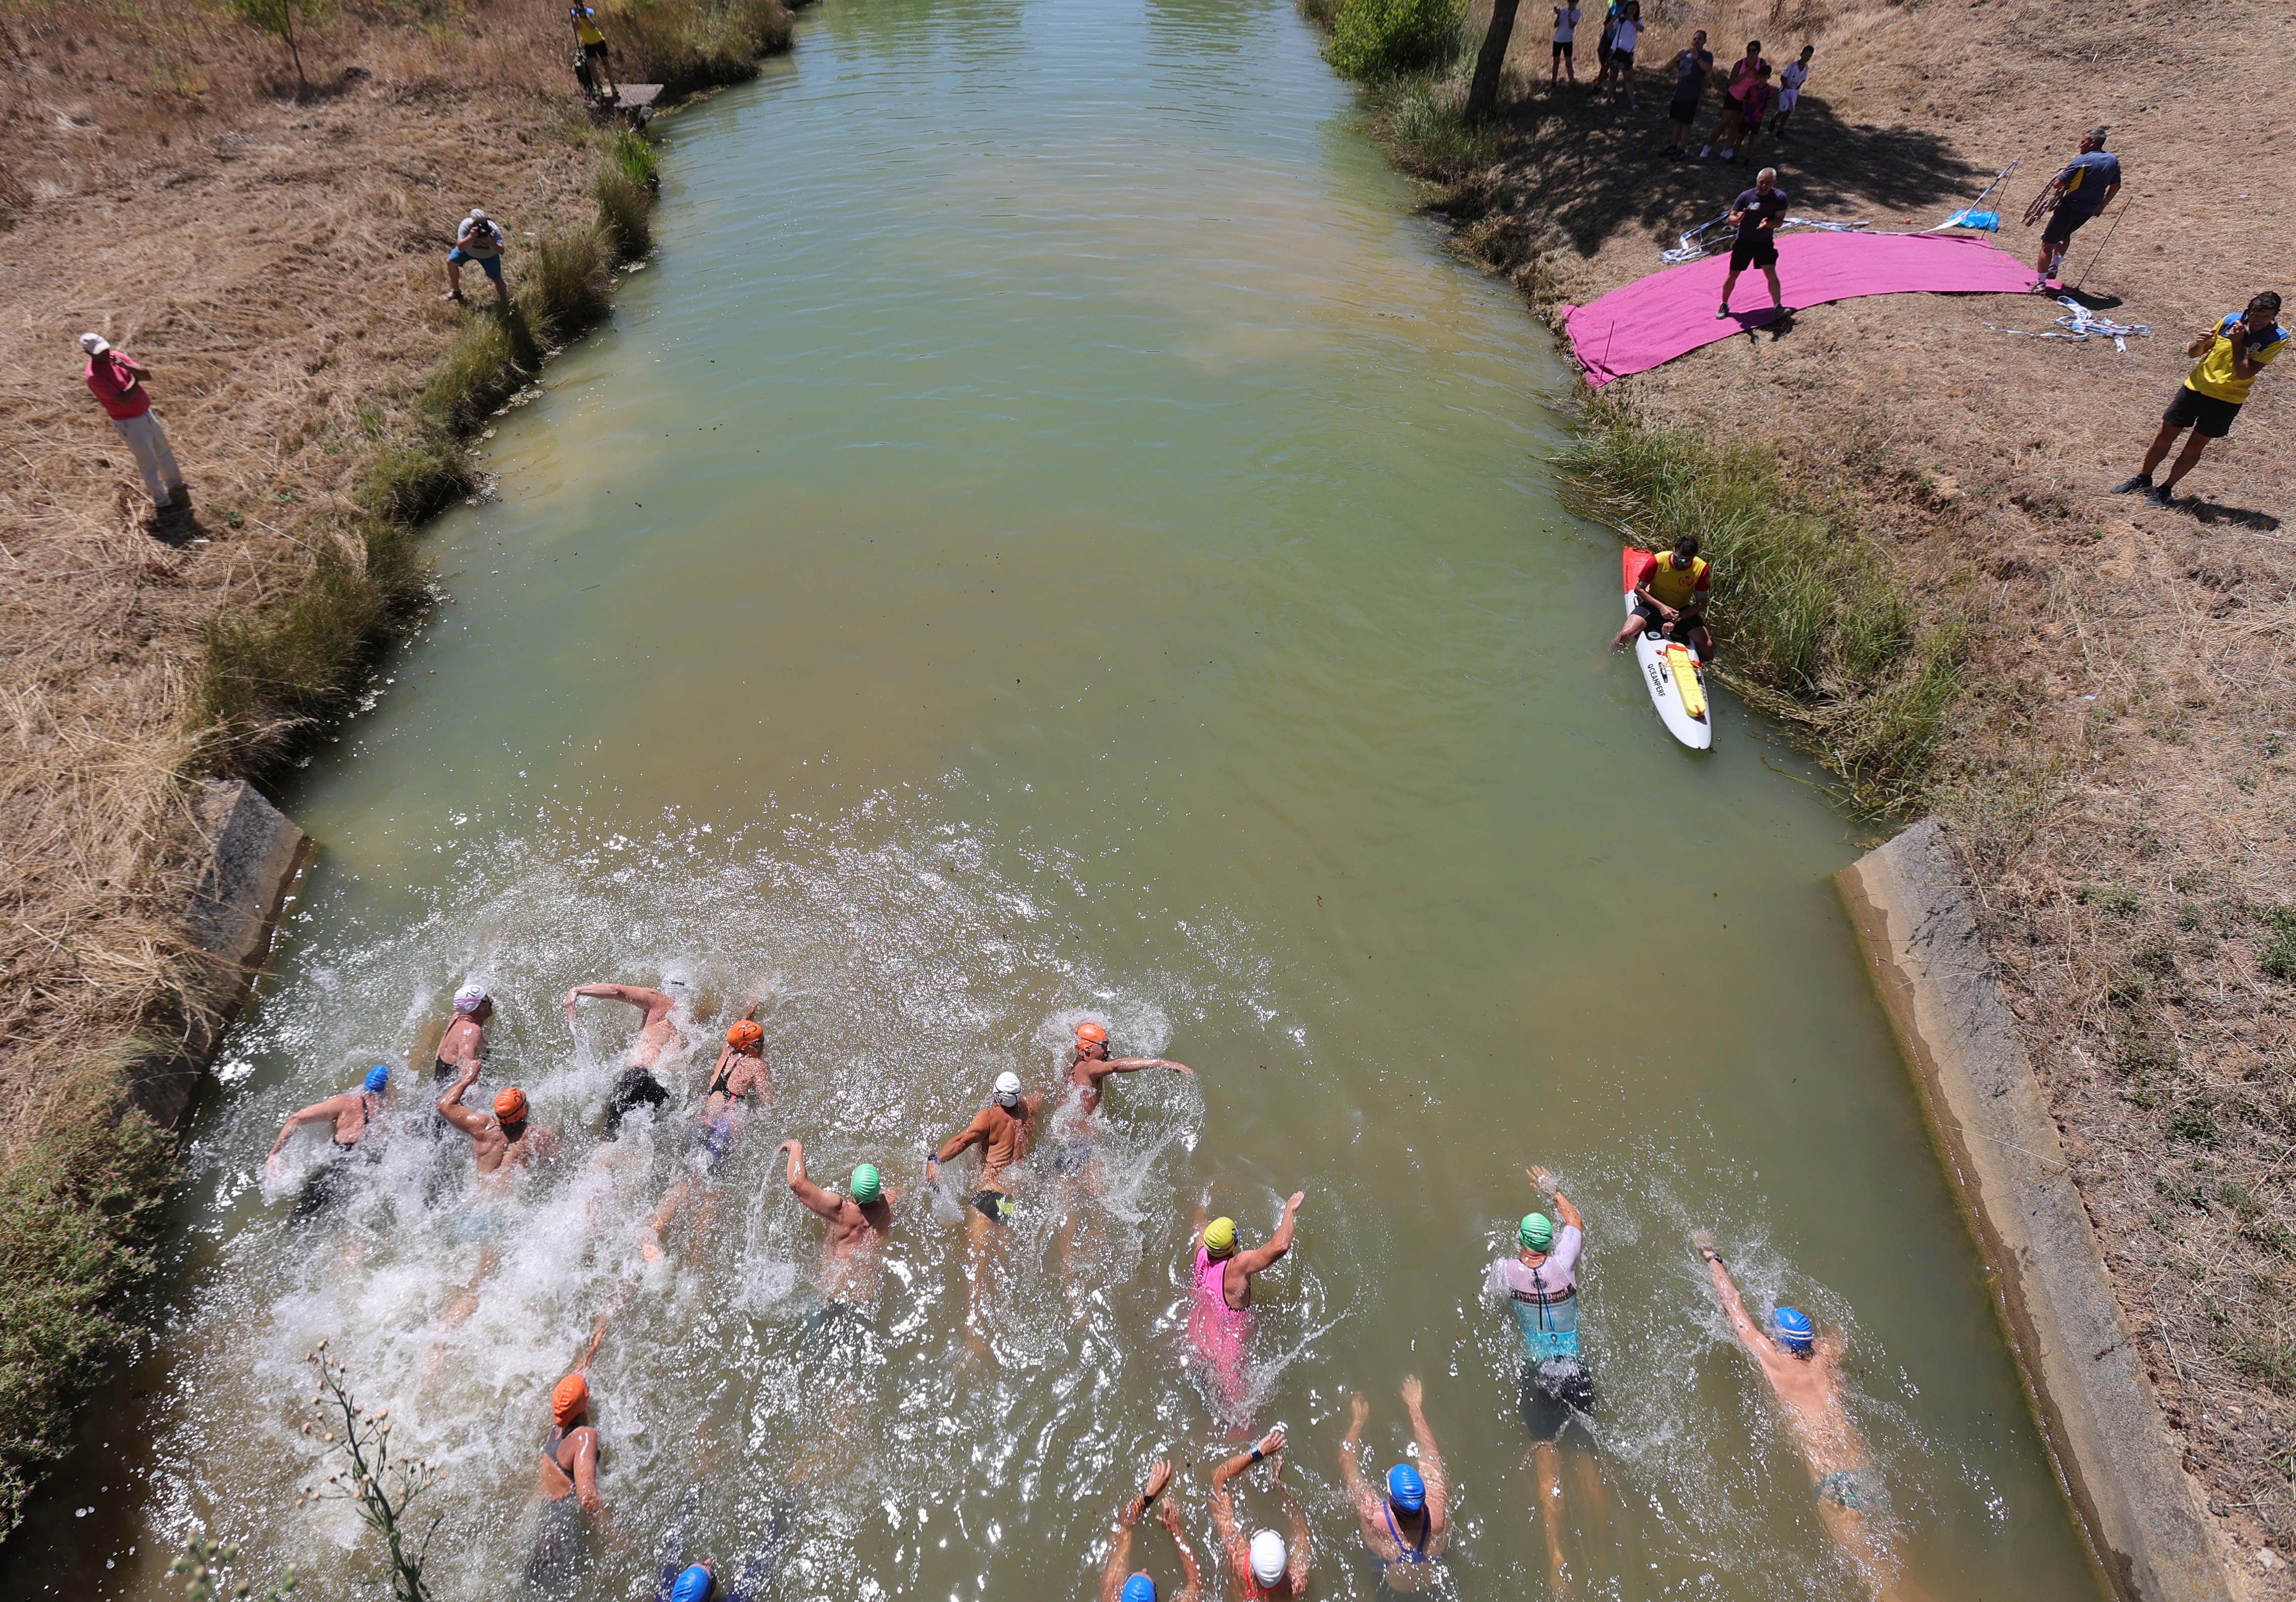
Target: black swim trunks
{"type": "Point", "coordinates": [2205, 414]}
{"type": "Point", "coordinates": [1686, 621]}
{"type": "Point", "coordinates": [1557, 1394]}
{"type": "Point", "coordinates": [1754, 250]}
{"type": "Point", "coordinates": [995, 1205]}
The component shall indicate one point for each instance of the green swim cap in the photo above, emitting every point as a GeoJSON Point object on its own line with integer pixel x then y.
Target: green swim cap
{"type": "Point", "coordinates": [866, 1186]}
{"type": "Point", "coordinates": [1537, 1231]}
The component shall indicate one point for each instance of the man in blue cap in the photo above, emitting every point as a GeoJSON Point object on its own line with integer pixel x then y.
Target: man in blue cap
{"type": "Point", "coordinates": [1804, 1368]}
{"type": "Point", "coordinates": [1121, 1581]}
{"type": "Point", "coordinates": [1409, 1526]}
{"type": "Point", "coordinates": [349, 1113]}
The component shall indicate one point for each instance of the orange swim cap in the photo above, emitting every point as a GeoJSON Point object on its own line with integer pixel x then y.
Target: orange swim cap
{"type": "Point", "coordinates": [571, 1400]}
{"type": "Point", "coordinates": [745, 1035]}
{"type": "Point", "coordinates": [510, 1106]}
{"type": "Point", "coordinates": [1096, 1033]}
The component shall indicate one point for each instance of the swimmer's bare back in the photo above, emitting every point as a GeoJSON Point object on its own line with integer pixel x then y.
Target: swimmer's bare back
{"type": "Point", "coordinates": [657, 1034]}
{"type": "Point", "coordinates": [853, 1228]}
{"type": "Point", "coordinates": [1810, 1390]}
{"type": "Point", "coordinates": [1093, 1065]}
{"type": "Point", "coordinates": [495, 1147]}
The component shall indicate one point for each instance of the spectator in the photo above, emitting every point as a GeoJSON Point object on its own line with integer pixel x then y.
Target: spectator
{"type": "Point", "coordinates": [1733, 102]}
{"type": "Point", "coordinates": [1623, 39]}
{"type": "Point", "coordinates": [116, 379]}
{"type": "Point", "coordinates": [595, 56]}
{"type": "Point", "coordinates": [480, 239]}
{"type": "Point", "coordinates": [1756, 214]}
{"type": "Point", "coordinates": [1691, 68]}
{"type": "Point", "coordinates": [1566, 29]}
{"type": "Point", "coordinates": [2085, 188]}
{"type": "Point", "coordinates": [1603, 48]}
{"type": "Point", "coordinates": [2233, 351]}
{"type": "Point", "coordinates": [1760, 95]}
{"type": "Point", "coordinates": [1790, 83]}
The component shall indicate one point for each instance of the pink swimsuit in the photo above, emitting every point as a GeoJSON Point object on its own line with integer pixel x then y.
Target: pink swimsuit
{"type": "Point", "coordinates": [1219, 1332]}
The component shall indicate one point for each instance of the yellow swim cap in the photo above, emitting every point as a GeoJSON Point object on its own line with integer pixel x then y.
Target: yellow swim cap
{"type": "Point", "coordinates": [1219, 1237]}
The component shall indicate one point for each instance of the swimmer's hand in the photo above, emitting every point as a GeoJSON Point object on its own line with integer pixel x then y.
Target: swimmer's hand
{"type": "Point", "coordinates": [573, 996]}
{"type": "Point", "coordinates": [1292, 1203]}
{"type": "Point", "coordinates": [1270, 1443]}
{"type": "Point", "coordinates": [1180, 1067]}
{"type": "Point", "coordinates": [1158, 1478]}
{"type": "Point", "coordinates": [1412, 1392]}
{"type": "Point", "coordinates": [1702, 1240]}
{"type": "Point", "coordinates": [1168, 1514]}
{"type": "Point", "coordinates": [1542, 1178]}
{"type": "Point", "coordinates": [1359, 1410]}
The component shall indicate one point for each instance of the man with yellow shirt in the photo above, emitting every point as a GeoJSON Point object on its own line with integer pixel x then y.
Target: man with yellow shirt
{"type": "Point", "coordinates": [594, 52]}
{"type": "Point", "coordinates": [1671, 599]}
{"type": "Point", "coordinates": [2232, 353]}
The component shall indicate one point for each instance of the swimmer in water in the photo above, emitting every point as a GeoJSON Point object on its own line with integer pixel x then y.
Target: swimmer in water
{"type": "Point", "coordinates": [351, 1113]}
{"type": "Point", "coordinates": [658, 1032]}
{"type": "Point", "coordinates": [1804, 1370]}
{"type": "Point", "coordinates": [1091, 1064]}
{"type": "Point", "coordinates": [1541, 1283]}
{"type": "Point", "coordinates": [568, 1484]}
{"type": "Point", "coordinates": [1266, 1567]}
{"type": "Point", "coordinates": [858, 1224]}
{"type": "Point", "coordinates": [1408, 1527]}
{"type": "Point", "coordinates": [1003, 1131]}
{"type": "Point", "coordinates": [1121, 1581]}
{"type": "Point", "coordinates": [464, 1044]}
{"type": "Point", "coordinates": [1219, 1322]}
{"type": "Point", "coordinates": [501, 1145]}
{"type": "Point", "coordinates": [740, 1072]}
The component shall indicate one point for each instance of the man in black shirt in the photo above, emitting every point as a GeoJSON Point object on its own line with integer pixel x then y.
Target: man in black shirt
{"type": "Point", "coordinates": [1690, 69]}
{"type": "Point", "coordinates": [1757, 213]}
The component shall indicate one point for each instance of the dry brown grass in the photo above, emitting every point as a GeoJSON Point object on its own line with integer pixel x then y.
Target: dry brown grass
{"type": "Point", "coordinates": [2121, 773]}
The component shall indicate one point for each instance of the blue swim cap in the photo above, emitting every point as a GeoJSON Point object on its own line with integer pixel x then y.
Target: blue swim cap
{"type": "Point", "coordinates": [1139, 1589]}
{"type": "Point", "coordinates": [1794, 1329]}
{"type": "Point", "coordinates": [378, 1079]}
{"type": "Point", "coordinates": [1405, 1489]}
{"type": "Point", "coordinates": [695, 1585]}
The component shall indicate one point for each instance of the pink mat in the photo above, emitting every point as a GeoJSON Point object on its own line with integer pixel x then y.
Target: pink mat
{"type": "Point", "coordinates": [1656, 319]}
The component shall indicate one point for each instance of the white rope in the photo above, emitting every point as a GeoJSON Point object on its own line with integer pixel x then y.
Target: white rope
{"type": "Point", "coordinates": [1692, 250]}
{"type": "Point", "coordinates": [2081, 323]}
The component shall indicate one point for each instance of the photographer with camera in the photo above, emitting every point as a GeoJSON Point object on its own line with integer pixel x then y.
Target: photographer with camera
{"type": "Point", "coordinates": [478, 238]}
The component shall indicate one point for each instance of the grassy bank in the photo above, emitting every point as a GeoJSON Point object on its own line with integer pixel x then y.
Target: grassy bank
{"type": "Point", "coordinates": [260, 635]}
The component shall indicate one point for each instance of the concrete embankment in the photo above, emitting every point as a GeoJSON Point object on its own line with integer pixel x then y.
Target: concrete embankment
{"type": "Point", "coordinates": [2120, 1466]}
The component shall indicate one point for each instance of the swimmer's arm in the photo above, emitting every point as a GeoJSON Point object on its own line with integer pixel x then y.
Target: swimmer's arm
{"type": "Point", "coordinates": [586, 1479]}
{"type": "Point", "coordinates": [974, 1133]}
{"type": "Point", "coordinates": [1133, 1065]}
{"type": "Point", "coordinates": [450, 1102]}
{"type": "Point", "coordinates": [1270, 1442]}
{"type": "Point", "coordinates": [590, 1351]}
{"type": "Point", "coordinates": [1302, 1546]}
{"type": "Point", "coordinates": [1569, 1214]}
{"type": "Point", "coordinates": [1120, 1554]}
{"type": "Point", "coordinates": [1431, 1455]}
{"type": "Point", "coordinates": [1261, 1257]}
{"type": "Point", "coordinates": [816, 1199]}
{"type": "Point", "coordinates": [1192, 1590]}
{"type": "Point", "coordinates": [333, 1107]}
{"type": "Point", "coordinates": [1733, 1308]}
{"type": "Point", "coordinates": [1351, 1474]}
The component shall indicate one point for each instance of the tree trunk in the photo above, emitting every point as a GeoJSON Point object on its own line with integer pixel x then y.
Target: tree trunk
{"type": "Point", "coordinates": [294, 52]}
{"type": "Point", "coordinates": [1484, 93]}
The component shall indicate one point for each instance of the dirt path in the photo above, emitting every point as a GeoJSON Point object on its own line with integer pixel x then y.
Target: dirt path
{"type": "Point", "coordinates": [2122, 774]}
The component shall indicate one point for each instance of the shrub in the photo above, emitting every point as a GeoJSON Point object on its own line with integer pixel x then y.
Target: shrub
{"type": "Point", "coordinates": [633, 154]}
{"type": "Point", "coordinates": [1372, 40]}
{"type": "Point", "coordinates": [263, 677]}
{"type": "Point", "coordinates": [688, 46]}
{"type": "Point", "coordinates": [413, 478]}
{"type": "Point", "coordinates": [623, 212]}
{"type": "Point", "coordinates": [564, 285]}
{"type": "Point", "coordinates": [477, 374]}
{"type": "Point", "coordinates": [2278, 958]}
{"type": "Point", "coordinates": [77, 1217]}
{"type": "Point", "coordinates": [1423, 116]}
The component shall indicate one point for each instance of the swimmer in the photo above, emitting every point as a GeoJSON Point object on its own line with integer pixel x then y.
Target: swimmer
{"type": "Point", "coordinates": [1003, 1131]}
{"type": "Point", "coordinates": [463, 1044]}
{"type": "Point", "coordinates": [351, 1112]}
{"type": "Point", "coordinates": [740, 1069]}
{"type": "Point", "coordinates": [1408, 1527]}
{"type": "Point", "coordinates": [634, 1088]}
{"type": "Point", "coordinates": [1219, 1322]}
{"type": "Point", "coordinates": [858, 1224]}
{"type": "Point", "coordinates": [1121, 1581]}
{"type": "Point", "coordinates": [1541, 1283]}
{"type": "Point", "coordinates": [504, 1142]}
{"type": "Point", "coordinates": [1804, 1370]}
{"type": "Point", "coordinates": [1266, 1567]}
{"type": "Point", "coordinates": [1092, 1064]}
{"type": "Point", "coordinates": [657, 1034]}
{"type": "Point", "coordinates": [568, 1483]}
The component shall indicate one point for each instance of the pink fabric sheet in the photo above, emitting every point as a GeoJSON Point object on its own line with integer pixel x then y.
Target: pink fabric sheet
{"type": "Point", "coordinates": [1654, 320]}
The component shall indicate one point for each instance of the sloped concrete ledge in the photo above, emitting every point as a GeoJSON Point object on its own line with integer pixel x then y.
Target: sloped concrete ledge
{"type": "Point", "coordinates": [2122, 1470]}
{"type": "Point", "coordinates": [251, 855]}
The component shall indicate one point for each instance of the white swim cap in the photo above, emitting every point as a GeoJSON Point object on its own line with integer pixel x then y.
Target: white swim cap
{"type": "Point", "coordinates": [467, 999]}
{"type": "Point", "coordinates": [1008, 1084]}
{"type": "Point", "coordinates": [1267, 1557]}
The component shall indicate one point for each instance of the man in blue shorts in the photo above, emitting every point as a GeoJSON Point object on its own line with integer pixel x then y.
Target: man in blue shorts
{"type": "Point", "coordinates": [2085, 188]}
{"type": "Point", "coordinates": [480, 239]}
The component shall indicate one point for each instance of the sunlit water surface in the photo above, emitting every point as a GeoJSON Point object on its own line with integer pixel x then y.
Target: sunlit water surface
{"type": "Point", "coordinates": [1051, 533]}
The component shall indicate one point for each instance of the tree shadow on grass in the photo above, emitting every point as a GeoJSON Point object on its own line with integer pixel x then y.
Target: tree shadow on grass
{"type": "Point", "coordinates": [1605, 167]}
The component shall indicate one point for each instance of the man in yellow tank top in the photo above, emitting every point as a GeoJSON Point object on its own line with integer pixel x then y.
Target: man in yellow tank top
{"type": "Point", "coordinates": [592, 45]}
{"type": "Point", "coordinates": [1671, 599]}
{"type": "Point", "coordinates": [2233, 351]}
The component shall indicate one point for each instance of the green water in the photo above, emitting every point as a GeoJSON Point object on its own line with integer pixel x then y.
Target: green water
{"type": "Point", "coordinates": [1051, 532]}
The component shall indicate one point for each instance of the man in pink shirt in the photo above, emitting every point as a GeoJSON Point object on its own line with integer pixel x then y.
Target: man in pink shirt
{"type": "Point", "coordinates": [116, 379]}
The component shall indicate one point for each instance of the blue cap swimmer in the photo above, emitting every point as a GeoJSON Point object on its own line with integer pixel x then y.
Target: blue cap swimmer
{"type": "Point", "coordinates": [1139, 1589]}
{"type": "Point", "coordinates": [695, 1585]}
{"type": "Point", "coordinates": [378, 1079]}
{"type": "Point", "coordinates": [1405, 1488]}
{"type": "Point", "coordinates": [1795, 1332]}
